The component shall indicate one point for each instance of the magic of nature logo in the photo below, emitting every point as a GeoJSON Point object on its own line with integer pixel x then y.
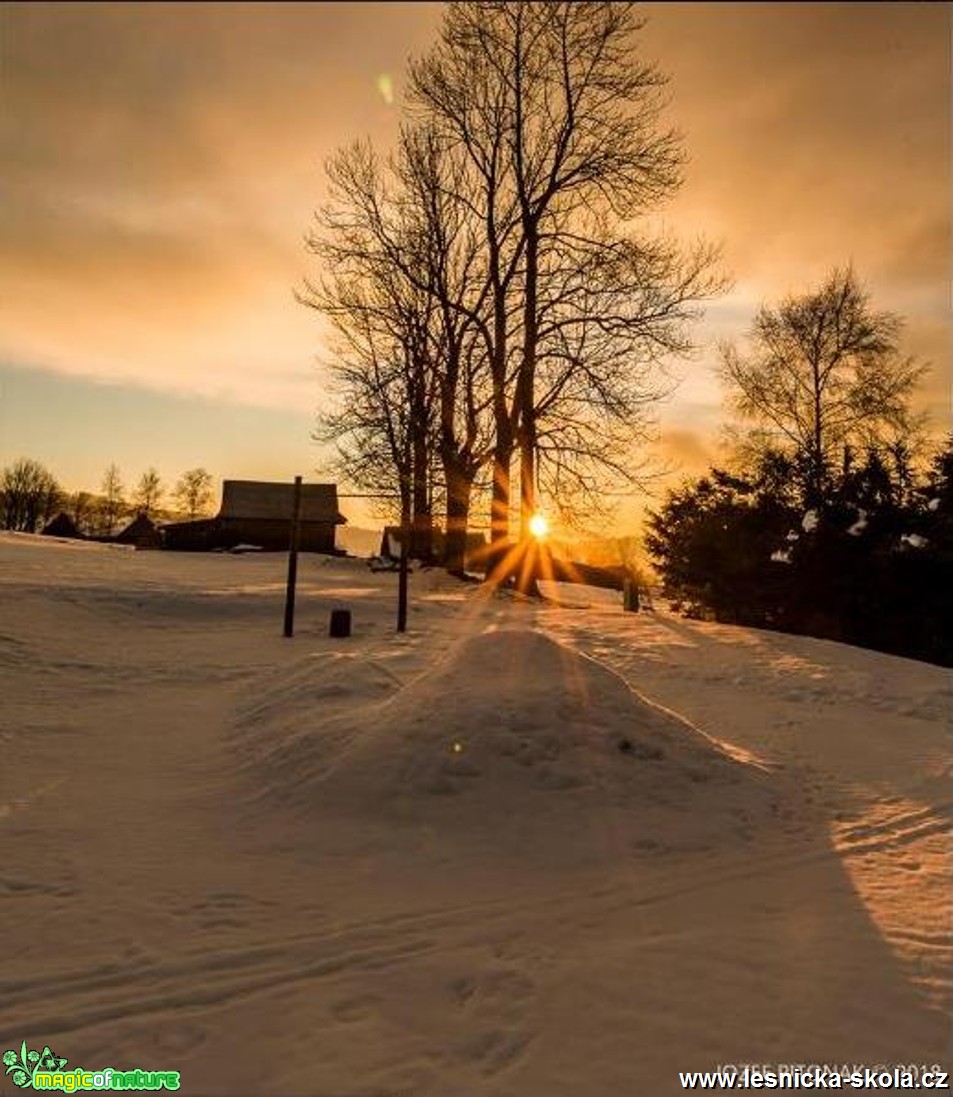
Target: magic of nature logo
{"type": "Point", "coordinates": [44, 1070]}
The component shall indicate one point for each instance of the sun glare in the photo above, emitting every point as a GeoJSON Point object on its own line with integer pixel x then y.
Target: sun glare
{"type": "Point", "coordinates": [385, 85]}
{"type": "Point", "coordinates": [538, 526]}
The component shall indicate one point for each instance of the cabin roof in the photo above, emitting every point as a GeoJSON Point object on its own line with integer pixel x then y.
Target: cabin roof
{"type": "Point", "coordinates": [62, 526]}
{"type": "Point", "coordinates": [261, 499]}
{"type": "Point", "coordinates": [141, 526]}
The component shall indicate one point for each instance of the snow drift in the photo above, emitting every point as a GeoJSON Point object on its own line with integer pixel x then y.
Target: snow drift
{"type": "Point", "coordinates": [510, 732]}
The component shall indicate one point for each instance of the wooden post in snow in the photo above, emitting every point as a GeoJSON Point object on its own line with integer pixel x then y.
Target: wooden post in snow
{"type": "Point", "coordinates": [402, 576]}
{"type": "Point", "coordinates": [293, 559]}
{"type": "Point", "coordinates": [630, 595]}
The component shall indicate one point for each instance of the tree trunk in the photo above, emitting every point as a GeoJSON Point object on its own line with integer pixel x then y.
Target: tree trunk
{"type": "Point", "coordinates": [526, 406]}
{"type": "Point", "coordinates": [459, 487]}
{"type": "Point", "coordinates": [526, 386]}
{"type": "Point", "coordinates": [527, 575]}
{"type": "Point", "coordinates": [527, 477]}
{"type": "Point", "coordinates": [817, 441]}
{"type": "Point", "coordinates": [421, 539]}
{"type": "Point", "coordinates": [505, 441]}
{"type": "Point", "coordinates": [456, 473]}
{"type": "Point", "coordinates": [500, 508]}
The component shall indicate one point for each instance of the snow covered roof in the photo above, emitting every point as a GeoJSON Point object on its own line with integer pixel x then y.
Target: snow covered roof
{"type": "Point", "coordinates": [263, 499]}
{"type": "Point", "coordinates": [141, 527]}
{"type": "Point", "coordinates": [61, 526]}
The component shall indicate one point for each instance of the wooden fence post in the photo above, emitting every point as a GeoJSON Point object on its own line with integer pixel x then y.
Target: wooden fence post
{"type": "Point", "coordinates": [293, 560]}
{"type": "Point", "coordinates": [402, 576]}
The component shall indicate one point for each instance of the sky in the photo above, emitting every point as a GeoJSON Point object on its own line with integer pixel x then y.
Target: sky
{"type": "Point", "coordinates": [162, 163]}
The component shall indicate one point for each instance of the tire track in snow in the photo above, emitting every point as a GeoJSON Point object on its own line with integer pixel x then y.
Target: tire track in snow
{"type": "Point", "coordinates": [215, 985]}
{"type": "Point", "coordinates": [941, 942]}
{"type": "Point", "coordinates": [895, 831]}
{"type": "Point", "coordinates": [107, 992]}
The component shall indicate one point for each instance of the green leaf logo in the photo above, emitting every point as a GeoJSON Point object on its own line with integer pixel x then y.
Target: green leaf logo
{"type": "Point", "coordinates": [23, 1066]}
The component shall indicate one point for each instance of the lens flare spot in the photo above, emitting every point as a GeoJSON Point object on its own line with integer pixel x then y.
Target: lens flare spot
{"type": "Point", "coordinates": [538, 526]}
{"type": "Point", "coordinates": [385, 85]}
{"type": "Point", "coordinates": [456, 748]}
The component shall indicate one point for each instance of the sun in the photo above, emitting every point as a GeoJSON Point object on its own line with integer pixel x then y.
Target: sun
{"type": "Point", "coordinates": [538, 526]}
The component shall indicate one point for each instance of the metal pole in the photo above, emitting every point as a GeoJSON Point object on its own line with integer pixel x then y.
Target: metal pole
{"type": "Point", "coordinates": [293, 560]}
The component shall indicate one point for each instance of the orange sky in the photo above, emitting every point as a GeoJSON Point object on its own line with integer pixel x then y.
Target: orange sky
{"type": "Point", "coordinates": [161, 163]}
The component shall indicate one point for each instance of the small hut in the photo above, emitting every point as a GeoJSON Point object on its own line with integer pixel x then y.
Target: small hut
{"type": "Point", "coordinates": [140, 532]}
{"type": "Point", "coordinates": [62, 526]}
{"type": "Point", "coordinates": [391, 538]}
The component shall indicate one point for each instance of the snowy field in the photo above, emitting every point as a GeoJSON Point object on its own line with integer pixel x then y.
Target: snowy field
{"type": "Point", "coordinates": [524, 850]}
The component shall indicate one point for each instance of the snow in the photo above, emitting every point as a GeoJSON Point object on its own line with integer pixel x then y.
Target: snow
{"type": "Point", "coordinates": [914, 540]}
{"type": "Point", "coordinates": [357, 541]}
{"type": "Point", "coordinates": [860, 524]}
{"type": "Point", "coordinates": [523, 850]}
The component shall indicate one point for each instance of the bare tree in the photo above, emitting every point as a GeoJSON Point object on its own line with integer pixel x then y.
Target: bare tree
{"type": "Point", "coordinates": [29, 495]}
{"type": "Point", "coordinates": [611, 312]}
{"type": "Point", "coordinates": [148, 493]}
{"type": "Point", "coordinates": [461, 89]}
{"type": "Point", "coordinates": [396, 270]}
{"type": "Point", "coordinates": [561, 127]}
{"type": "Point", "coordinates": [373, 428]}
{"type": "Point", "coordinates": [193, 492]}
{"type": "Point", "coordinates": [489, 276]}
{"type": "Point", "coordinates": [81, 508]}
{"type": "Point", "coordinates": [112, 504]}
{"type": "Point", "coordinates": [448, 263]}
{"type": "Point", "coordinates": [823, 371]}
{"type": "Point", "coordinates": [382, 365]}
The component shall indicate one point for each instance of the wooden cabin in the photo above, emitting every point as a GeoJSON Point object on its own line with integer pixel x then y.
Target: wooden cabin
{"type": "Point", "coordinates": [258, 513]}
{"type": "Point", "coordinates": [141, 532]}
{"type": "Point", "coordinates": [62, 526]}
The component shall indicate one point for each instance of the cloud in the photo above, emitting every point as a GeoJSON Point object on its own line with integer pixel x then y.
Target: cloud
{"type": "Point", "coordinates": [162, 162]}
{"type": "Point", "coordinates": [691, 452]}
{"type": "Point", "coordinates": [817, 133]}
{"type": "Point", "coordinates": [161, 168]}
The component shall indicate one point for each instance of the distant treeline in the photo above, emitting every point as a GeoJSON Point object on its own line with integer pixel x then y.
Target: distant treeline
{"type": "Point", "coordinates": [31, 495]}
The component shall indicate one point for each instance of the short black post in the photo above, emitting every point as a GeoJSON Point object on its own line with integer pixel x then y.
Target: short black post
{"type": "Point", "coordinates": [402, 577]}
{"type": "Point", "coordinates": [340, 625]}
{"type": "Point", "coordinates": [630, 595]}
{"type": "Point", "coordinates": [293, 560]}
